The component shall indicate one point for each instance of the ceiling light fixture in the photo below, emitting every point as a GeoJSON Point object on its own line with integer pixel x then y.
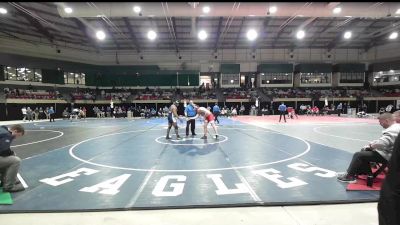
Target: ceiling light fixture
{"type": "Point", "coordinates": [337, 10]}
{"type": "Point", "coordinates": [252, 34]}
{"type": "Point", "coordinates": [151, 35]}
{"type": "Point", "coordinates": [100, 35]}
{"type": "Point", "coordinates": [206, 9]}
{"type": "Point", "coordinates": [300, 34]}
{"type": "Point", "coordinates": [3, 10]}
{"type": "Point", "coordinates": [137, 9]}
{"type": "Point", "coordinates": [347, 35]}
{"type": "Point", "coordinates": [393, 35]}
{"type": "Point", "coordinates": [398, 11]}
{"type": "Point", "coordinates": [273, 9]}
{"type": "Point", "coordinates": [68, 10]}
{"type": "Point", "coordinates": [202, 35]}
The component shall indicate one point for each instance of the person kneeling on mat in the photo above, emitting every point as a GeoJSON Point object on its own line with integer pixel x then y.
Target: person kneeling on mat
{"type": "Point", "coordinates": [9, 162]}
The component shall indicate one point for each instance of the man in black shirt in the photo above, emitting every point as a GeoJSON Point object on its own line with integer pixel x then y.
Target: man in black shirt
{"type": "Point", "coordinates": [9, 162]}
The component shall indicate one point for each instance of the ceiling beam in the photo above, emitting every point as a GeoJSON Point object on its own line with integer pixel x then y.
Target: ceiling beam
{"type": "Point", "coordinates": [106, 26]}
{"type": "Point", "coordinates": [302, 26]}
{"type": "Point", "coordinates": [133, 36]}
{"type": "Point", "coordinates": [380, 40]}
{"type": "Point", "coordinates": [176, 35]}
{"type": "Point", "coordinates": [218, 33]}
{"type": "Point", "coordinates": [16, 37]}
{"type": "Point", "coordinates": [324, 29]}
{"type": "Point", "coordinates": [378, 36]}
{"type": "Point", "coordinates": [277, 37]}
{"type": "Point", "coordinates": [332, 44]}
{"type": "Point", "coordinates": [42, 30]}
{"type": "Point", "coordinates": [82, 28]}
{"type": "Point", "coordinates": [357, 36]}
{"type": "Point", "coordinates": [263, 33]}
{"type": "Point", "coordinates": [240, 31]}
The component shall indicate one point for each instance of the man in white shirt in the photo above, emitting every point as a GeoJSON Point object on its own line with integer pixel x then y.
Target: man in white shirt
{"type": "Point", "coordinates": [378, 151]}
{"type": "Point", "coordinates": [23, 110]}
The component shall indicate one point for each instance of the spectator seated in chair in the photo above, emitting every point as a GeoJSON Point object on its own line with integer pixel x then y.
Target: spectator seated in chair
{"type": "Point", "coordinates": [378, 151]}
{"type": "Point", "coordinates": [65, 114]}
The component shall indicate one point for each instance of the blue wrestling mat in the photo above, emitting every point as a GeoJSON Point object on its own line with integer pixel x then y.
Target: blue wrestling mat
{"type": "Point", "coordinates": [119, 164]}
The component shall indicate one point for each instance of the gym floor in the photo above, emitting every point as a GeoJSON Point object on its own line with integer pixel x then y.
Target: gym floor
{"type": "Point", "coordinates": [127, 164]}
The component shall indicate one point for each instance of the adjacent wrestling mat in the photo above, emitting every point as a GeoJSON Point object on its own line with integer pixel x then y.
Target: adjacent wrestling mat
{"type": "Point", "coordinates": [121, 164]}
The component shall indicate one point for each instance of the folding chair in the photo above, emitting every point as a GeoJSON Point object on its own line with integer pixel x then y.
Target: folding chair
{"type": "Point", "coordinates": [380, 169]}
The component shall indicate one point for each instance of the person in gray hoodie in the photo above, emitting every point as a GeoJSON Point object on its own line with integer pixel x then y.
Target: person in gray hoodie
{"type": "Point", "coordinates": [378, 151]}
{"type": "Point", "coordinates": [9, 162]}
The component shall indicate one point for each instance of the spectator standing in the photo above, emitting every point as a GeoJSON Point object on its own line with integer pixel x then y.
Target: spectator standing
{"type": "Point", "coordinates": [29, 113]}
{"type": "Point", "coordinates": [339, 109]}
{"type": "Point", "coordinates": [23, 110]}
{"type": "Point", "coordinates": [41, 113]}
{"type": "Point", "coordinates": [36, 113]}
{"type": "Point", "coordinates": [46, 112]}
{"type": "Point", "coordinates": [241, 110]}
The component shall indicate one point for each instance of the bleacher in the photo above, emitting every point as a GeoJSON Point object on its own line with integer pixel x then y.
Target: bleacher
{"type": "Point", "coordinates": [30, 94]}
{"type": "Point", "coordinates": [308, 93]}
{"type": "Point", "coordinates": [234, 93]}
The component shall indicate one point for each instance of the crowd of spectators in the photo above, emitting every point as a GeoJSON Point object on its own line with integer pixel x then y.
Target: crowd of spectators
{"type": "Point", "coordinates": [197, 94]}
{"type": "Point", "coordinates": [200, 93]}
{"type": "Point", "coordinates": [314, 93]}
{"type": "Point", "coordinates": [156, 94]}
{"type": "Point", "coordinates": [240, 93]}
{"type": "Point", "coordinates": [31, 94]}
{"type": "Point", "coordinates": [395, 92]}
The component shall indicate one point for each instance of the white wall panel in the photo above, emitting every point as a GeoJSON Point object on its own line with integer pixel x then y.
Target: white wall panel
{"type": "Point", "coordinates": [248, 67]}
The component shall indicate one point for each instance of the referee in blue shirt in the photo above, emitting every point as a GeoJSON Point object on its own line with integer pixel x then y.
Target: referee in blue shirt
{"type": "Point", "coordinates": [216, 111]}
{"type": "Point", "coordinates": [190, 113]}
{"type": "Point", "coordinates": [282, 111]}
{"type": "Point", "coordinates": [51, 112]}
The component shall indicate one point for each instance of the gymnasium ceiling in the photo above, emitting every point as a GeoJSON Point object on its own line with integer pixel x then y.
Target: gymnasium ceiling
{"type": "Point", "coordinates": [178, 23]}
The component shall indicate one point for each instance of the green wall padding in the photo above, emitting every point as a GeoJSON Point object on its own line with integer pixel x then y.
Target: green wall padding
{"type": "Point", "coordinates": [275, 68]}
{"type": "Point", "coordinates": [52, 76]}
{"type": "Point", "coordinates": [385, 66]}
{"type": "Point", "coordinates": [314, 68]}
{"type": "Point", "coordinates": [230, 68]}
{"type": "Point", "coordinates": [349, 67]}
{"type": "Point", "coordinates": [161, 79]}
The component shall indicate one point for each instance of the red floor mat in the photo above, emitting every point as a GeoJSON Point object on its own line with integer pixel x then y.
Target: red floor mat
{"type": "Point", "coordinates": [361, 184]}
